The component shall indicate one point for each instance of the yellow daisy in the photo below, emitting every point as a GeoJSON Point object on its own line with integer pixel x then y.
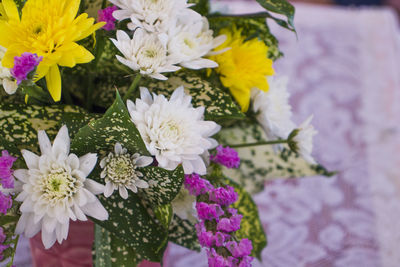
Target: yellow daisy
{"type": "Point", "coordinates": [244, 66]}
{"type": "Point", "coordinates": [49, 29]}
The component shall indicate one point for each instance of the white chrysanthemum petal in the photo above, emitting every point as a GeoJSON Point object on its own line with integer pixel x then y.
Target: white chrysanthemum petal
{"type": "Point", "coordinates": [109, 189]}
{"type": "Point", "coordinates": [142, 184]}
{"type": "Point", "coordinates": [274, 111]}
{"type": "Point", "coordinates": [48, 239]}
{"type": "Point", "coordinates": [96, 210]}
{"type": "Point", "coordinates": [87, 163]}
{"type": "Point", "coordinates": [145, 53]}
{"type": "Point", "coordinates": [304, 140]}
{"type": "Point", "coordinates": [53, 189]}
{"type": "Point", "coordinates": [144, 161]}
{"type": "Point", "coordinates": [44, 142]}
{"type": "Point", "coordinates": [10, 86]}
{"type": "Point", "coordinates": [123, 192]}
{"type": "Point", "coordinates": [182, 205]}
{"type": "Point", "coordinates": [61, 142]}
{"type": "Point", "coordinates": [94, 187]}
{"type": "Point", "coordinates": [31, 159]}
{"type": "Point", "coordinates": [173, 131]}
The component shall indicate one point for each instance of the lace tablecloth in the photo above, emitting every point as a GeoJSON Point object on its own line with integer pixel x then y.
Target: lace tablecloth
{"type": "Point", "coordinates": [345, 69]}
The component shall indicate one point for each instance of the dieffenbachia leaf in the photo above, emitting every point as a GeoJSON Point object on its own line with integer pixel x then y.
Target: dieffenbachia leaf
{"type": "Point", "coordinates": [20, 123]}
{"type": "Point", "coordinates": [259, 164]}
{"type": "Point", "coordinates": [183, 233]}
{"type": "Point", "coordinates": [164, 184]}
{"type": "Point", "coordinates": [250, 226]}
{"type": "Point", "coordinates": [282, 7]}
{"type": "Point", "coordinates": [111, 251]}
{"type": "Point", "coordinates": [102, 134]}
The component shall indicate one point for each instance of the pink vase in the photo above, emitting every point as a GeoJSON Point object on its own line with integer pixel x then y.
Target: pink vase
{"type": "Point", "coordinates": [76, 251]}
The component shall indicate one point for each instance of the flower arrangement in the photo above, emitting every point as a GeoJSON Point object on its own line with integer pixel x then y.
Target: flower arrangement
{"type": "Point", "coordinates": [203, 122]}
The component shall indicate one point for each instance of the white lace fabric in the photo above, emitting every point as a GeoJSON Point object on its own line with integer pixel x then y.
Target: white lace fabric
{"type": "Point", "coordinates": [345, 69]}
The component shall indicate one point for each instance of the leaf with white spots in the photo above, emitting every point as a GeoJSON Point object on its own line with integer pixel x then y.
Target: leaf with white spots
{"type": "Point", "coordinates": [164, 185]}
{"type": "Point", "coordinates": [164, 214]}
{"type": "Point", "coordinates": [250, 226]}
{"type": "Point", "coordinates": [183, 233]}
{"type": "Point", "coordinates": [259, 164]}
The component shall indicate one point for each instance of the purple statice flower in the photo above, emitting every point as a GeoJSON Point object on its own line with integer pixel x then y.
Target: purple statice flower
{"type": "Point", "coordinates": [5, 203]}
{"type": "Point", "coordinates": [223, 196]}
{"type": "Point", "coordinates": [106, 16]}
{"type": "Point", "coordinates": [208, 211]}
{"type": "Point", "coordinates": [206, 239]}
{"type": "Point", "coordinates": [226, 156]}
{"type": "Point", "coordinates": [240, 250]}
{"type": "Point", "coordinates": [246, 261]}
{"type": "Point", "coordinates": [231, 224]}
{"type": "Point", "coordinates": [197, 185]}
{"type": "Point", "coordinates": [216, 260]}
{"type": "Point", "coordinates": [6, 163]}
{"type": "Point", "coordinates": [2, 246]}
{"type": "Point", "coordinates": [24, 65]}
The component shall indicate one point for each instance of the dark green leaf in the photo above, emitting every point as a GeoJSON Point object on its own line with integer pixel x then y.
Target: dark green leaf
{"type": "Point", "coordinates": [202, 6]}
{"type": "Point", "coordinates": [282, 7]}
{"type": "Point", "coordinates": [183, 233]}
{"type": "Point", "coordinates": [164, 214]}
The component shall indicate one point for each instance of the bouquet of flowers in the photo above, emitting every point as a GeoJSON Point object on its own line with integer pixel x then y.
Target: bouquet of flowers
{"type": "Point", "coordinates": [157, 122]}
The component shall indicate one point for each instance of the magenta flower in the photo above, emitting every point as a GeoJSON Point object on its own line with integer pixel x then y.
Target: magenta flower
{"type": "Point", "coordinates": [240, 250]}
{"type": "Point", "coordinates": [226, 156]}
{"type": "Point", "coordinates": [2, 246]}
{"type": "Point", "coordinates": [231, 224]}
{"type": "Point", "coordinates": [6, 163]}
{"type": "Point", "coordinates": [196, 185]}
{"type": "Point", "coordinates": [5, 203]}
{"type": "Point", "coordinates": [223, 196]}
{"type": "Point", "coordinates": [208, 211]}
{"type": "Point", "coordinates": [106, 16]}
{"type": "Point", "coordinates": [24, 65]}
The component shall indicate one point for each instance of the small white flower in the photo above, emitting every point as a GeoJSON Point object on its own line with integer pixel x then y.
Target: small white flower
{"type": "Point", "coordinates": [120, 171]}
{"type": "Point", "coordinates": [173, 130]}
{"type": "Point", "coordinates": [55, 189]}
{"type": "Point", "coordinates": [146, 53]}
{"type": "Point", "coordinates": [6, 79]}
{"type": "Point", "coordinates": [304, 140]}
{"type": "Point", "coordinates": [151, 15]}
{"type": "Point", "coordinates": [183, 205]}
{"type": "Point", "coordinates": [190, 39]}
{"type": "Point", "coordinates": [274, 111]}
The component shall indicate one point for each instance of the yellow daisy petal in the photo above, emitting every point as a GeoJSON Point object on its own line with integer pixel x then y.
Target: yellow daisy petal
{"type": "Point", "coordinates": [53, 80]}
{"type": "Point", "coordinates": [11, 9]}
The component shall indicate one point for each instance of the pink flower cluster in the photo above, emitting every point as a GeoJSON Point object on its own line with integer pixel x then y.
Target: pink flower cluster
{"type": "Point", "coordinates": [226, 156]}
{"type": "Point", "coordinates": [6, 163]}
{"type": "Point", "coordinates": [2, 246]}
{"type": "Point", "coordinates": [24, 65]}
{"type": "Point", "coordinates": [218, 222]}
{"type": "Point", "coordinates": [106, 16]}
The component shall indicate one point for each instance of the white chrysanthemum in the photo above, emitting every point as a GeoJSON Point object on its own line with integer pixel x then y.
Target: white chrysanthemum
{"type": "Point", "coordinates": [9, 84]}
{"type": "Point", "coordinates": [120, 171]}
{"type": "Point", "coordinates": [55, 189]}
{"type": "Point", "coordinates": [146, 53]}
{"type": "Point", "coordinates": [190, 39]}
{"type": "Point", "coordinates": [173, 130]}
{"type": "Point", "coordinates": [183, 205]}
{"type": "Point", "coordinates": [304, 140]}
{"type": "Point", "coordinates": [274, 111]}
{"type": "Point", "coordinates": [151, 15]}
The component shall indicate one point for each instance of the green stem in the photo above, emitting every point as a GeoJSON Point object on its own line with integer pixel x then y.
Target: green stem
{"type": "Point", "coordinates": [34, 91]}
{"type": "Point", "coordinates": [14, 252]}
{"type": "Point", "coordinates": [275, 142]}
{"type": "Point", "coordinates": [132, 87]}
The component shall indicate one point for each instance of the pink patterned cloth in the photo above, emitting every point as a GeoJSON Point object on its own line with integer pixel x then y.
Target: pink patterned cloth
{"type": "Point", "coordinates": [345, 69]}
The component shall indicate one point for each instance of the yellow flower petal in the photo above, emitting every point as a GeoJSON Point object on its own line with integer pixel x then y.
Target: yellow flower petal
{"type": "Point", "coordinates": [11, 9]}
{"type": "Point", "coordinates": [53, 80]}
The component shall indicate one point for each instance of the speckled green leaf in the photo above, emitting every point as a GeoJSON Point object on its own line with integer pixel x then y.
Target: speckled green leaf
{"type": "Point", "coordinates": [261, 163]}
{"type": "Point", "coordinates": [112, 251]}
{"type": "Point", "coordinates": [164, 214]}
{"type": "Point", "coordinates": [102, 134]}
{"type": "Point", "coordinates": [250, 226]}
{"type": "Point", "coordinates": [20, 122]}
{"type": "Point", "coordinates": [282, 7]}
{"type": "Point", "coordinates": [183, 233]}
{"type": "Point", "coordinates": [164, 185]}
